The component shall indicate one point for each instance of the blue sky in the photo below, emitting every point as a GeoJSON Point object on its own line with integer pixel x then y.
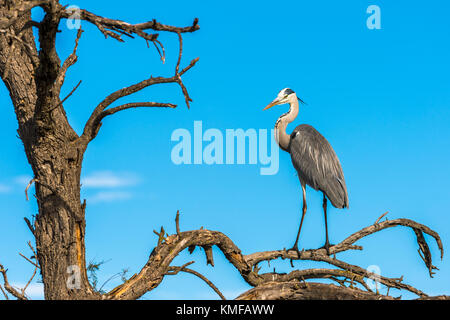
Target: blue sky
{"type": "Point", "coordinates": [381, 97]}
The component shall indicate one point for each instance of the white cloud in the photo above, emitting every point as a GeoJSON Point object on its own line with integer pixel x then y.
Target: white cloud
{"type": "Point", "coordinates": [35, 291]}
{"type": "Point", "coordinates": [108, 179]}
{"type": "Point", "coordinates": [23, 180]}
{"type": "Point", "coordinates": [109, 196]}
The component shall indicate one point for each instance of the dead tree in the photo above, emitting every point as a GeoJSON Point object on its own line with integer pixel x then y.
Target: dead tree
{"type": "Point", "coordinates": [34, 77]}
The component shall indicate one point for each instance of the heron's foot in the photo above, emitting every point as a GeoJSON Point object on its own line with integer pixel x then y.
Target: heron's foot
{"type": "Point", "coordinates": [295, 248]}
{"type": "Point", "coordinates": [327, 246]}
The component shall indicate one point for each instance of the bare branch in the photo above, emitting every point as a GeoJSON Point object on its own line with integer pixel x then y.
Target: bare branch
{"type": "Point", "coordinates": [34, 264]}
{"type": "Point", "coordinates": [34, 180]}
{"type": "Point", "coordinates": [4, 293]}
{"type": "Point", "coordinates": [346, 244]}
{"type": "Point", "coordinates": [70, 61]}
{"type": "Point", "coordinates": [160, 235]}
{"type": "Point", "coordinates": [378, 220]}
{"type": "Point", "coordinates": [177, 222]}
{"type": "Point", "coordinates": [28, 186]}
{"type": "Point", "coordinates": [353, 269]}
{"type": "Point", "coordinates": [180, 53]}
{"type": "Point", "coordinates": [67, 97]}
{"type": "Point", "coordinates": [93, 124]}
{"type": "Point", "coordinates": [134, 105]}
{"type": "Point", "coordinates": [159, 261]}
{"type": "Point", "coordinates": [175, 270]}
{"type": "Point", "coordinates": [388, 224]}
{"type": "Point", "coordinates": [115, 28]}
{"type": "Point", "coordinates": [295, 290]}
{"type": "Point", "coordinates": [29, 225]}
{"type": "Point", "coordinates": [29, 281]}
{"type": "Point", "coordinates": [314, 274]}
{"type": "Point", "coordinates": [8, 287]}
{"type": "Point", "coordinates": [424, 251]}
{"type": "Point", "coordinates": [209, 255]}
{"type": "Point", "coordinates": [157, 266]}
{"type": "Point", "coordinates": [162, 52]}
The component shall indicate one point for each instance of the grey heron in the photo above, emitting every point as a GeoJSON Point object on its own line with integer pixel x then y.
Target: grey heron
{"type": "Point", "coordinates": [313, 158]}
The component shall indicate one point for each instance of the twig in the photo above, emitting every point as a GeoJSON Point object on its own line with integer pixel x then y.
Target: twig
{"type": "Point", "coordinates": [8, 287]}
{"type": "Point", "coordinates": [138, 29]}
{"type": "Point", "coordinates": [161, 54]}
{"type": "Point", "coordinates": [93, 124]}
{"type": "Point", "coordinates": [4, 293]}
{"type": "Point", "coordinates": [29, 281]}
{"type": "Point", "coordinates": [40, 183]}
{"type": "Point", "coordinates": [34, 251]}
{"type": "Point", "coordinates": [160, 235]}
{"type": "Point", "coordinates": [34, 264]}
{"type": "Point", "coordinates": [70, 61]}
{"type": "Point", "coordinates": [175, 270]}
{"type": "Point", "coordinates": [70, 93]}
{"type": "Point", "coordinates": [122, 274]}
{"type": "Point", "coordinates": [376, 222]}
{"type": "Point", "coordinates": [67, 97]}
{"type": "Point", "coordinates": [180, 53]}
{"type": "Point", "coordinates": [30, 226]}
{"type": "Point", "coordinates": [132, 105]}
{"type": "Point", "coordinates": [209, 255]}
{"type": "Point", "coordinates": [177, 222]}
{"type": "Point", "coordinates": [35, 269]}
{"type": "Point", "coordinates": [424, 251]}
{"type": "Point", "coordinates": [117, 28]}
{"type": "Point", "coordinates": [28, 186]}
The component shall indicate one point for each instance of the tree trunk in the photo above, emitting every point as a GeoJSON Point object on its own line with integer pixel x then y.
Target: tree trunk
{"type": "Point", "coordinates": [55, 160]}
{"type": "Point", "coordinates": [54, 150]}
{"type": "Point", "coordinates": [60, 224]}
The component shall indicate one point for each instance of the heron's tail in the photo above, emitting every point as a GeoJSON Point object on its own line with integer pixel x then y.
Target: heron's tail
{"type": "Point", "coordinates": [337, 193]}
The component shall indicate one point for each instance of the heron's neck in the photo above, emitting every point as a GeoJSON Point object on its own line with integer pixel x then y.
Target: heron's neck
{"type": "Point", "coordinates": [280, 126]}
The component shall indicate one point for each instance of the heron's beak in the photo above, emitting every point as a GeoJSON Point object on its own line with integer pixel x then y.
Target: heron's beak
{"type": "Point", "coordinates": [270, 105]}
{"type": "Point", "coordinates": [302, 101]}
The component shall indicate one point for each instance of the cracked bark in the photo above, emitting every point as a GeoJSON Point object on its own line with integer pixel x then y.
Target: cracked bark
{"type": "Point", "coordinates": [54, 151]}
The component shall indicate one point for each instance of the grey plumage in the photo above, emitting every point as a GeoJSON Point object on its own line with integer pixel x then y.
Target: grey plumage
{"type": "Point", "coordinates": [317, 164]}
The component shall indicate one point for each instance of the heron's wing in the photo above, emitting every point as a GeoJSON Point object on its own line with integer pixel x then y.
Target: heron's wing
{"type": "Point", "coordinates": [317, 164]}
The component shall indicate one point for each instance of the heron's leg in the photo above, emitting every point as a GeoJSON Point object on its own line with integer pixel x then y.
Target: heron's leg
{"type": "Point", "coordinates": [327, 243]}
{"type": "Point", "coordinates": [295, 247]}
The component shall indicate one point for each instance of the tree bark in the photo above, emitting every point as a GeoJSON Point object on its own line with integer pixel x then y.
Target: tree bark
{"type": "Point", "coordinates": [53, 156]}
{"type": "Point", "coordinates": [54, 151]}
{"type": "Point", "coordinates": [295, 290]}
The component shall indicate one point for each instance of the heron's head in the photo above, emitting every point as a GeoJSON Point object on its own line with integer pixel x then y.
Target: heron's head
{"type": "Point", "coordinates": [284, 96]}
